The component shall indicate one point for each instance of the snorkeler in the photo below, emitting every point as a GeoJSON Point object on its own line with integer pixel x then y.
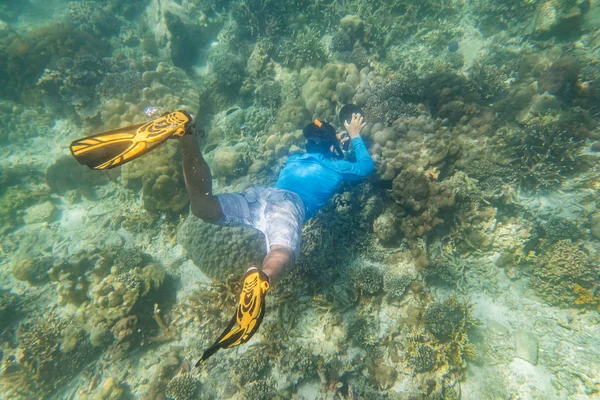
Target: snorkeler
{"type": "Point", "coordinates": [305, 184]}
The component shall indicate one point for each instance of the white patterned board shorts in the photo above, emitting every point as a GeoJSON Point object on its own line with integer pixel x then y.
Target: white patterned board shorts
{"type": "Point", "coordinates": [277, 213]}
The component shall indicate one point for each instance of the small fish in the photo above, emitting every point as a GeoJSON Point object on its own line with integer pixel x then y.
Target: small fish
{"type": "Point", "coordinates": [231, 111]}
{"type": "Point", "coordinates": [453, 46]}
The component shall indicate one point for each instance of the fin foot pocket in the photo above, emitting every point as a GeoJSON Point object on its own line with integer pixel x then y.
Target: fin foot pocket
{"type": "Point", "coordinates": [248, 315]}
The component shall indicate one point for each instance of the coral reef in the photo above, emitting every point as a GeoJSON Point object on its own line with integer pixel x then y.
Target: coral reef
{"type": "Point", "coordinates": [368, 279]}
{"type": "Point", "coordinates": [182, 387]}
{"type": "Point", "coordinates": [49, 353]}
{"type": "Point", "coordinates": [446, 319]}
{"type": "Point", "coordinates": [557, 228]}
{"type": "Point", "coordinates": [422, 357]}
{"type": "Point", "coordinates": [219, 251]}
{"type": "Point", "coordinates": [559, 269]}
{"type": "Point", "coordinates": [395, 99]}
{"type": "Point", "coordinates": [547, 152]}
{"type": "Point", "coordinates": [33, 270]}
{"type": "Point", "coordinates": [327, 86]}
{"type": "Point", "coordinates": [385, 228]}
{"type": "Point", "coordinates": [9, 305]}
{"type": "Point", "coordinates": [395, 284]}
{"type": "Point", "coordinates": [561, 78]}
{"type": "Point", "coordinates": [482, 121]}
{"type": "Point", "coordinates": [261, 389]}
{"type": "Point", "coordinates": [303, 49]}
{"type": "Point", "coordinates": [227, 67]}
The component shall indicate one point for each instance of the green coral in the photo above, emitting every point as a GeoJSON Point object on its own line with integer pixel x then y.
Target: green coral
{"type": "Point", "coordinates": [182, 387]}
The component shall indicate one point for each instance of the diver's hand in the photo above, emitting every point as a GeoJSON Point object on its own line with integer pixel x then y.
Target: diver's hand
{"type": "Point", "coordinates": [355, 126]}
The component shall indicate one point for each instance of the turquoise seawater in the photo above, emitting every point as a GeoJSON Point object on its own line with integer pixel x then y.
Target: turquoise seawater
{"type": "Point", "coordinates": [466, 266]}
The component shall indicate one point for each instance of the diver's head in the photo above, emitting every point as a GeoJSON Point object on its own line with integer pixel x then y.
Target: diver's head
{"type": "Point", "coordinates": [347, 111]}
{"type": "Point", "coordinates": [321, 138]}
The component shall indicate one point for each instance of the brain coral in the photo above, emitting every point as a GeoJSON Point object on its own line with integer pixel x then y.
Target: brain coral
{"type": "Point", "coordinates": [219, 251]}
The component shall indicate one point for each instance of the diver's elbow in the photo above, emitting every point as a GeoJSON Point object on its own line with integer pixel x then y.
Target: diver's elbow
{"type": "Point", "coordinates": [369, 169]}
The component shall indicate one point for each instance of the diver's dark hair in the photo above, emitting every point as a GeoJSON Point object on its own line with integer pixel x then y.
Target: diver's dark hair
{"type": "Point", "coordinates": [320, 136]}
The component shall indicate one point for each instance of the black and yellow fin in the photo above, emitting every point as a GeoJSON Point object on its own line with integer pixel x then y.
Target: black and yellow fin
{"type": "Point", "coordinates": [110, 149]}
{"type": "Point", "coordinates": [248, 315]}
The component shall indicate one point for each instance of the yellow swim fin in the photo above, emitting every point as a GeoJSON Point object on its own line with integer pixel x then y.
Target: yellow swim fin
{"type": "Point", "coordinates": [111, 149]}
{"type": "Point", "coordinates": [248, 316]}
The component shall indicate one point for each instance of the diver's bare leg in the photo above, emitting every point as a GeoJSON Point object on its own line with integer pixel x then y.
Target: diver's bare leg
{"type": "Point", "coordinates": [198, 182]}
{"type": "Point", "coordinates": [278, 260]}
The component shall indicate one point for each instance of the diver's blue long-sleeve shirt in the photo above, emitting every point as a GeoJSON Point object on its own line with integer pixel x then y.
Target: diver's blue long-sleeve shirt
{"type": "Point", "coordinates": [315, 177]}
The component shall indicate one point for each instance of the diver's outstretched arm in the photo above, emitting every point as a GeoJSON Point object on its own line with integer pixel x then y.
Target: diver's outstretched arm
{"type": "Point", "coordinates": [198, 182]}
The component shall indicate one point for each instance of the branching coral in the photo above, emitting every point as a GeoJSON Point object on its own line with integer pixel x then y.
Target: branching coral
{"type": "Point", "coordinates": [546, 152]}
{"type": "Point", "coordinates": [449, 346]}
{"type": "Point", "coordinates": [251, 367]}
{"type": "Point", "coordinates": [182, 387]}
{"type": "Point", "coordinates": [395, 284]}
{"type": "Point", "coordinates": [446, 320]}
{"type": "Point", "coordinates": [260, 389]}
{"type": "Point", "coordinates": [368, 279]}
{"type": "Point", "coordinates": [303, 49]}
{"type": "Point", "coordinates": [28, 56]}
{"type": "Point", "coordinates": [211, 305]}
{"type": "Point", "coordinates": [49, 352]}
